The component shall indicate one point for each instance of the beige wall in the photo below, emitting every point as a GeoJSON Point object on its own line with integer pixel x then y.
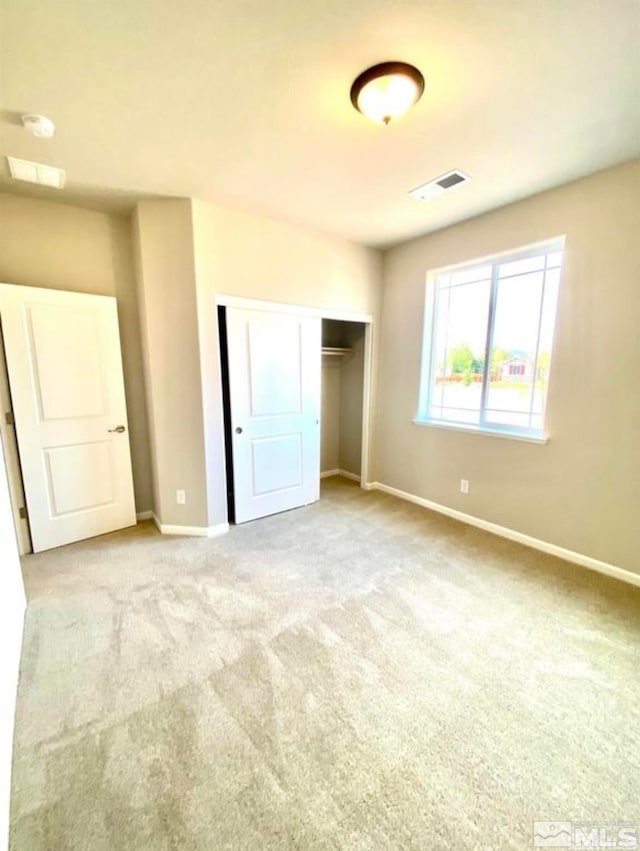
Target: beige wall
{"type": "Point", "coordinates": [169, 326]}
{"type": "Point", "coordinates": [351, 399]}
{"type": "Point", "coordinates": [43, 244]}
{"type": "Point", "coordinates": [330, 417]}
{"type": "Point", "coordinates": [233, 253]}
{"type": "Point", "coordinates": [12, 606]}
{"type": "Point", "coordinates": [581, 490]}
{"type": "Point", "coordinates": [241, 254]}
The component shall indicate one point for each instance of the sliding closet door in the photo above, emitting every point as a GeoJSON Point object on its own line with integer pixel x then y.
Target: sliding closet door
{"type": "Point", "coordinates": [274, 382]}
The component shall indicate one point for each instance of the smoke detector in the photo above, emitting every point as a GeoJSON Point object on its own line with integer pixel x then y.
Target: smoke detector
{"type": "Point", "coordinates": [448, 181]}
{"type": "Point", "coordinates": [39, 126]}
{"type": "Point", "coordinates": [45, 175]}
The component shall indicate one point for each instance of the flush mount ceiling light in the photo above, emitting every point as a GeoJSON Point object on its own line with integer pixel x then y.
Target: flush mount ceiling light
{"type": "Point", "coordinates": [39, 125]}
{"type": "Point", "coordinates": [387, 90]}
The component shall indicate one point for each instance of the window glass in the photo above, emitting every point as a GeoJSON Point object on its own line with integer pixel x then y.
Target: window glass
{"type": "Point", "coordinates": [460, 340]}
{"type": "Point", "coordinates": [489, 335]}
{"type": "Point", "coordinates": [514, 349]}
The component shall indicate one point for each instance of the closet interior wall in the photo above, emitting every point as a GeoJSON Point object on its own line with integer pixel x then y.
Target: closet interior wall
{"type": "Point", "coordinates": [342, 396]}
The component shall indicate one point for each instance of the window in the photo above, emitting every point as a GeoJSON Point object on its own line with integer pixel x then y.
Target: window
{"type": "Point", "coordinates": [488, 336]}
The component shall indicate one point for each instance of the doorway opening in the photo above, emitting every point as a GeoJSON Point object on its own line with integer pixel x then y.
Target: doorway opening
{"type": "Point", "coordinates": [296, 398]}
{"type": "Point", "coordinates": [343, 387]}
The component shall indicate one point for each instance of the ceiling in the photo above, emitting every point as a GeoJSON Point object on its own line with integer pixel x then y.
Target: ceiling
{"type": "Point", "coordinates": [246, 102]}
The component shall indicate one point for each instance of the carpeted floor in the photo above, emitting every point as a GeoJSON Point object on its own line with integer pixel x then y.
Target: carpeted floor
{"type": "Point", "coordinates": [357, 674]}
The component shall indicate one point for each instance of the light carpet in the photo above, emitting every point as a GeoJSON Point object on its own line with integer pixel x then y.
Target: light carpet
{"type": "Point", "coordinates": [357, 674]}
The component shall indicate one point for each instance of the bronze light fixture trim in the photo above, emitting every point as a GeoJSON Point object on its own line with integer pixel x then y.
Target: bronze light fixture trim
{"type": "Point", "coordinates": [387, 90]}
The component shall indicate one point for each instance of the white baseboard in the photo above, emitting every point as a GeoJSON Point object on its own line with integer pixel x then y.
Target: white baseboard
{"type": "Point", "coordinates": [504, 532]}
{"type": "Point", "coordinates": [345, 473]}
{"type": "Point", "coordinates": [144, 515]}
{"type": "Point", "coordinates": [191, 531]}
{"type": "Point", "coordinates": [219, 529]}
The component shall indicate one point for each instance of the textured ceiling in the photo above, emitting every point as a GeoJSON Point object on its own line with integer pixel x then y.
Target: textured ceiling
{"type": "Point", "coordinates": [246, 102]}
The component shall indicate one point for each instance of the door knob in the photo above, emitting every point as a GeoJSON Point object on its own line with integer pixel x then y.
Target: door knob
{"type": "Point", "coordinates": [239, 430]}
{"type": "Point", "coordinates": [117, 429]}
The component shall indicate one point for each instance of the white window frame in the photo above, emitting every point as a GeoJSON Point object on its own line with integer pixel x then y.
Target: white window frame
{"type": "Point", "coordinates": [427, 366]}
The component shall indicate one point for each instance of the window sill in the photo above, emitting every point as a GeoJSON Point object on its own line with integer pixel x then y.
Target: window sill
{"type": "Point", "coordinates": [509, 435]}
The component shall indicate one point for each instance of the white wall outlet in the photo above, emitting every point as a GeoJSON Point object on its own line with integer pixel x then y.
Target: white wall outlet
{"type": "Point", "coordinates": [464, 486]}
{"type": "Point", "coordinates": [181, 497]}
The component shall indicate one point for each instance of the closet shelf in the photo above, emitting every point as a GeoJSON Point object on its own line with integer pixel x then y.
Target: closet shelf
{"type": "Point", "coordinates": [335, 352]}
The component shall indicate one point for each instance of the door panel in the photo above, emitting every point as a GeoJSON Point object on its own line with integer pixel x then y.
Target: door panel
{"type": "Point", "coordinates": [274, 379]}
{"type": "Point", "coordinates": [67, 387]}
{"type": "Point", "coordinates": [68, 371]}
{"type": "Point", "coordinates": [80, 477]}
{"type": "Point", "coordinates": [277, 463]}
{"type": "Point", "coordinates": [275, 368]}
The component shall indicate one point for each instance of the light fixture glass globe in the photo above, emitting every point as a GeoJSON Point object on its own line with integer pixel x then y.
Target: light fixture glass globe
{"type": "Point", "coordinates": [387, 90]}
{"type": "Point", "coordinates": [388, 97]}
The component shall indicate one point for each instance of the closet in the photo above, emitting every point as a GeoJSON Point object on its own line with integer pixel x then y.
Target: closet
{"type": "Point", "coordinates": [343, 361]}
{"type": "Point", "coordinates": [293, 389]}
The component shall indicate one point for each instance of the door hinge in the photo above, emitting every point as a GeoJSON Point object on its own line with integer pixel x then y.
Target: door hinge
{"type": "Point", "coordinates": [23, 513]}
{"type": "Point", "coordinates": [8, 418]}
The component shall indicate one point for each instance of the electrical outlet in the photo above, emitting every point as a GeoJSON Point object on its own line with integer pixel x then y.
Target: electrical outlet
{"type": "Point", "coordinates": [464, 486]}
{"type": "Point", "coordinates": [181, 497]}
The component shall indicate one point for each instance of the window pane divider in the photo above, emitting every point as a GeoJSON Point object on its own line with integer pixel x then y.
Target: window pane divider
{"type": "Point", "coordinates": [476, 281]}
{"type": "Point", "coordinates": [486, 376]}
{"type": "Point", "coordinates": [535, 360]}
{"type": "Point", "coordinates": [521, 274]}
{"type": "Point", "coordinates": [433, 367]}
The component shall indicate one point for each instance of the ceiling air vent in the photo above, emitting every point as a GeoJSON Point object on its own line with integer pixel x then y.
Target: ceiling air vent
{"type": "Point", "coordinates": [441, 184]}
{"type": "Point", "coordinates": [45, 175]}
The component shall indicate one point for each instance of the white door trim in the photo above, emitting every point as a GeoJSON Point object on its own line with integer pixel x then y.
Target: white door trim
{"type": "Point", "coordinates": [287, 307]}
{"type": "Point", "coordinates": [367, 319]}
{"type": "Point", "coordinates": [12, 458]}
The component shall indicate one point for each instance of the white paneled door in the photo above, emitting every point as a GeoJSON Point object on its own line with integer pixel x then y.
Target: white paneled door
{"type": "Point", "coordinates": [274, 379]}
{"type": "Point", "coordinates": [67, 391]}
